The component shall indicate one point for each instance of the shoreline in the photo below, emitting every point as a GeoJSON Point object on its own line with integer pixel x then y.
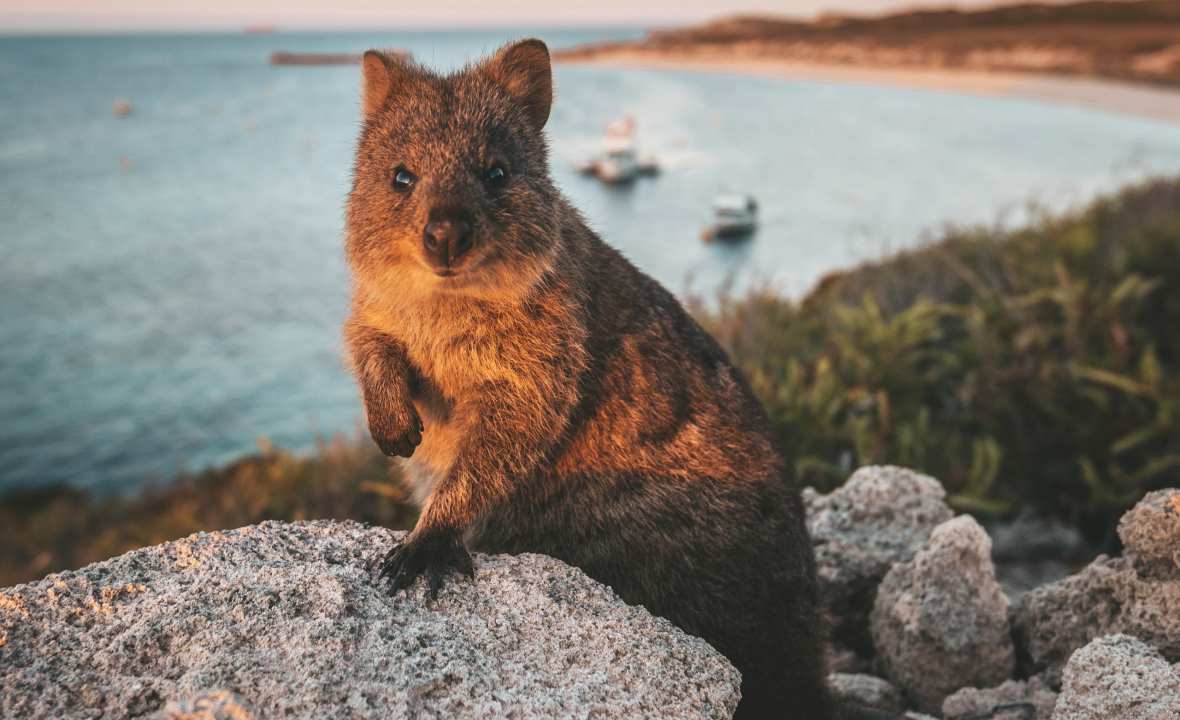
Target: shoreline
{"type": "Point", "coordinates": [1124, 98]}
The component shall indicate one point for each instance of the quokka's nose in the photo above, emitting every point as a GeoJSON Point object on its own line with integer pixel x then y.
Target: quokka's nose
{"type": "Point", "coordinates": [447, 240]}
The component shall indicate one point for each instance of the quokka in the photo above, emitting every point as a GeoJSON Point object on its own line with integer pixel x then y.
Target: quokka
{"type": "Point", "coordinates": [551, 397]}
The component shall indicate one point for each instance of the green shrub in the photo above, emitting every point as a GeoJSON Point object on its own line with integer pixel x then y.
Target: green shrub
{"type": "Point", "coordinates": [1028, 368]}
{"type": "Point", "coordinates": [50, 529]}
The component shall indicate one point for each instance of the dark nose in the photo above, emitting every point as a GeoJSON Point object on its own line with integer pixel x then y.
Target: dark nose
{"type": "Point", "coordinates": [447, 240]}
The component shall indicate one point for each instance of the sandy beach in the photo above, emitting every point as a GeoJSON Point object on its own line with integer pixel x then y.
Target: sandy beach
{"type": "Point", "coordinates": [1156, 103]}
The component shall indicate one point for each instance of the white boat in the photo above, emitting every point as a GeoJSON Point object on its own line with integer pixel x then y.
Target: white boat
{"type": "Point", "coordinates": [617, 166]}
{"type": "Point", "coordinates": [734, 217]}
{"type": "Point", "coordinates": [619, 162]}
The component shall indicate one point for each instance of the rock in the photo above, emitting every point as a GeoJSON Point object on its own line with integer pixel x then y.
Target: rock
{"type": "Point", "coordinates": [1108, 596]}
{"type": "Point", "coordinates": [842, 660]}
{"type": "Point", "coordinates": [1118, 677]}
{"type": "Point", "coordinates": [940, 621]}
{"type": "Point", "coordinates": [1030, 551]}
{"type": "Point", "coordinates": [285, 620]}
{"type": "Point", "coordinates": [1028, 699]}
{"type": "Point", "coordinates": [1150, 532]}
{"type": "Point", "coordinates": [1029, 537]}
{"type": "Point", "coordinates": [882, 515]}
{"type": "Point", "coordinates": [1017, 578]}
{"type": "Point", "coordinates": [1138, 594]}
{"type": "Point", "coordinates": [866, 690]}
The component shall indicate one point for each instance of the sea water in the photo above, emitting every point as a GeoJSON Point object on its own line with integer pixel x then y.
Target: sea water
{"type": "Point", "coordinates": [172, 282]}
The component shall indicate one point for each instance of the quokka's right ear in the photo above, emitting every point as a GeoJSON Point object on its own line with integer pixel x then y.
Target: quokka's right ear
{"type": "Point", "coordinates": [523, 68]}
{"type": "Point", "coordinates": [380, 75]}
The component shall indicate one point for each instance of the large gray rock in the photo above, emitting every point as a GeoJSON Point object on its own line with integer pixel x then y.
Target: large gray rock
{"type": "Point", "coordinates": [1028, 699]}
{"type": "Point", "coordinates": [285, 620]}
{"type": "Point", "coordinates": [940, 621]}
{"type": "Point", "coordinates": [1136, 594]}
{"type": "Point", "coordinates": [1150, 532]}
{"type": "Point", "coordinates": [1118, 677]}
{"type": "Point", "coordinates": [882, 515]}
{"type": "Point", "coordinates": [866, 690]}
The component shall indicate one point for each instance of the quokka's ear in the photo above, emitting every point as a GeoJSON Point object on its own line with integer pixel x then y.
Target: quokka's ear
{"type": "Point", "coordinates": [523, 69]}
{"type": "Point", "coordinates": [381, 74]}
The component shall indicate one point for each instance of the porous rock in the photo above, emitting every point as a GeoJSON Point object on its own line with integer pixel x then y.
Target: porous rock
{"type": "Point", "coordinates": [289, 618]}
{"type": "Point", "coordinates": [882, 515]}
{"type": "Point", "coordinates": [866, 690]}
{"type": "Point", "coordinates": [1105, 598]}
{"type": "Point", "coordinates": [1028, 699]}
{"type": "Point", "coordinates": [1118, 677]}
{"type": "Point", "coordinates": [1150, 532]}
{"type": "Point", "coordinates": [940, 621]}
{"type": "Point", "coordinates": [1135, 594]}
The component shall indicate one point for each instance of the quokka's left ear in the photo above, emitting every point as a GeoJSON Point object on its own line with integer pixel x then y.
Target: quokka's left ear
{"type": "Point", "coordinates": [523, 69]}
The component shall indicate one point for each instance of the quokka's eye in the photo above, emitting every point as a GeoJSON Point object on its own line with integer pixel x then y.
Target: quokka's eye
{"type": "Point", "coordinates": [403, 179]}
{"type": "Point", "coordinates": [496, 175]}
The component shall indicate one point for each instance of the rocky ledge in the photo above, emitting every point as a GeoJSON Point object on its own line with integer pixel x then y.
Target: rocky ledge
{"type": "Point", "coordinates": [945, 640]}
{"type": "Point", "coordinates": [285, 620]}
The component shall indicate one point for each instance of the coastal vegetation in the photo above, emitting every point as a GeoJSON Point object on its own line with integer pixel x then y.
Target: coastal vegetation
{"type": "Point", "coordinates": [1036, 368]}
{"type": "Point", "coordinates": [1031, 368]}
{"type": "Point", "coordinates": [1135, 41]}
{"type": "Point", "coordinates": [49, 529]}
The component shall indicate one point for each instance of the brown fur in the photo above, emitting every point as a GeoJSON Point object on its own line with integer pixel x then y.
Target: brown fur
{"type": "Point", "coordinates": [554, 398]}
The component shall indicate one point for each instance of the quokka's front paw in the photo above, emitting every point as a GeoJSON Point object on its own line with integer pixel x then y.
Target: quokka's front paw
{"type": "Point", "coordinates": [434, 553]}
{"type": "Point", "coordinates": [396, 431]}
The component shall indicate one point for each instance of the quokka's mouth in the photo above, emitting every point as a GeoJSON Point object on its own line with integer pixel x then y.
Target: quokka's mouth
{"type": "Point", "coordinates": [445, 273]}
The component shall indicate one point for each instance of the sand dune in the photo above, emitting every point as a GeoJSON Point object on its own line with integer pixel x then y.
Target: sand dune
{"type": "Point", "coordinates": [1148, 101]}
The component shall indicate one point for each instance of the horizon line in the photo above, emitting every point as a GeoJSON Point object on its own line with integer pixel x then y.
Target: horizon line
{"type": "Point", "coordinates": [68, 30]}
{"type": "Point", "coordinates": [24, 23]}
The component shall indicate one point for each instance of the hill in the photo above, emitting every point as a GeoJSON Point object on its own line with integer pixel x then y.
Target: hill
{"type": "Point", "coordinates": [1135, 41]}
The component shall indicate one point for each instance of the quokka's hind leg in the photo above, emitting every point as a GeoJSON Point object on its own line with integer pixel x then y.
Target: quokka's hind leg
{"type": "Point", "coordinates": [783, 687]}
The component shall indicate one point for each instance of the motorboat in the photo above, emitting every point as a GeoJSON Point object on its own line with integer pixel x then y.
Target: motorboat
{"type": "Point", "coordinates": [619, 162]}
{"type": "Point", "coordinates": [735, 217]}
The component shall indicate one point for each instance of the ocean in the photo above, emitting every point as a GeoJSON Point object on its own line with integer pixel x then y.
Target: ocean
{"type": "Point", "coordinates": [172, 282]}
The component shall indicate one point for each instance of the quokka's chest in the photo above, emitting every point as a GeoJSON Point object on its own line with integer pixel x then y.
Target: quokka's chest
{"type": "Point", "coordinates": [457, 374]}
{"type": "Point", "coordinates": [462, 348]}
{"type": "Point", "coordinates": [456, 363]}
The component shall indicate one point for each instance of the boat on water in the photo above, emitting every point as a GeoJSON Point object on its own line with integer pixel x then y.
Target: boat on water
{"type": "Point", "coordinates": [735, 217]}
{"type": "Point", "coordinates": [619, 162]}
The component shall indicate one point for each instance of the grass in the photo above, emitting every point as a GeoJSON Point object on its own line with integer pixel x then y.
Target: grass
{"type": "Point", "coordinates": [1031, 368]}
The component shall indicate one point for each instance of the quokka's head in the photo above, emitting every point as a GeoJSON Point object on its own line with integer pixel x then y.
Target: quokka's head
{"type": "Point", "coordinates": [451, 189]}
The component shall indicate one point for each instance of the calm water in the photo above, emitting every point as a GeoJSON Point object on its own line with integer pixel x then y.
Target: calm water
{"type": "Point", "coordinates": [172, 283]}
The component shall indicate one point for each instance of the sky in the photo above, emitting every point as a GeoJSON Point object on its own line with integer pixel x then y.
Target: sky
{"type": "Point", "coordinates": [294, 14]}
